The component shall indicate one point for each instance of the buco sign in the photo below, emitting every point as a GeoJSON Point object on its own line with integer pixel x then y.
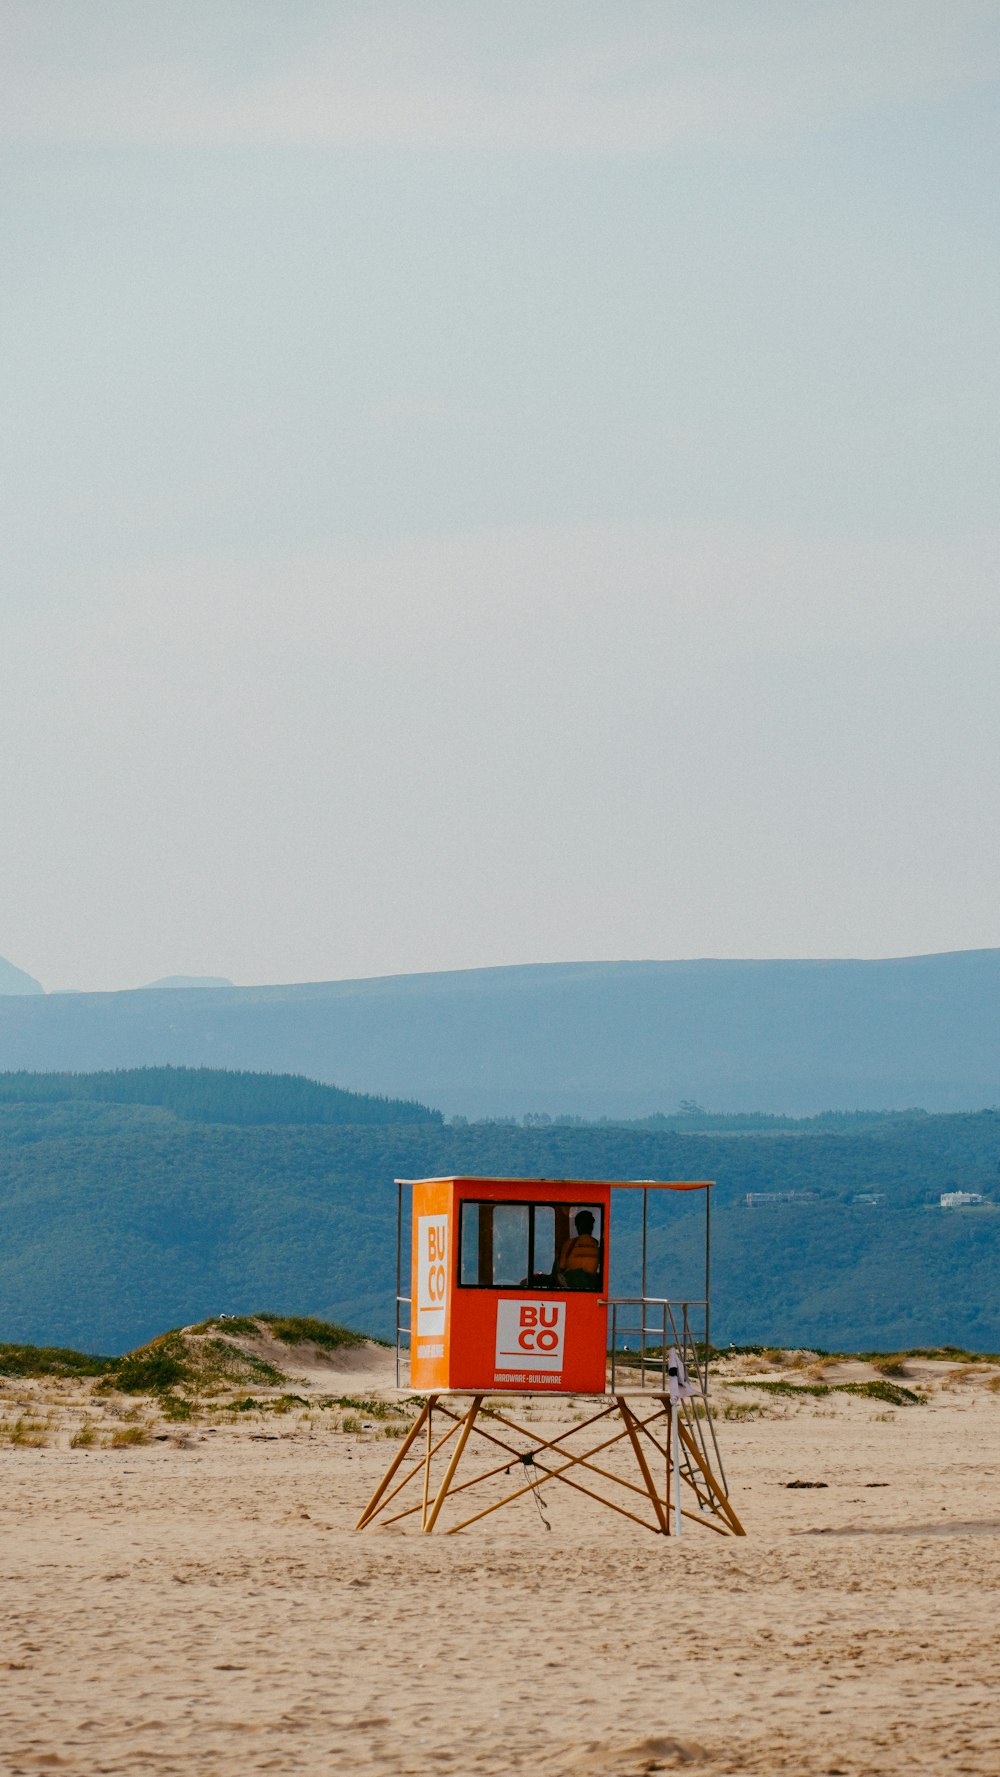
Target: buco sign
{"type": "Point", "coordinates": [432, 1273]}
{"type": "Point", "coordinates": [531, 1340]}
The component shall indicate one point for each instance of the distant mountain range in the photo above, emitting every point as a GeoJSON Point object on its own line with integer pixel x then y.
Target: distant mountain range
{"type": "Point", "coordinates": [16, 981]}
{"type": "Point", "coordinates": [13, 980]}
{"type": "Point", "coordinates": [589, 1039]}
{"type": "Point", "coordinates": [188, 981]}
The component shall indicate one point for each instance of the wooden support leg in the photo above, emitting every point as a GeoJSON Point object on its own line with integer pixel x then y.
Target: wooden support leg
{"type": "Point", "coordinates": [698, 1476]}
{"type": "Point", "coordinates": [400, 1456]}
{"type": "Point", "coordinates": [558, 1474]}
{"type": "Point", "coordinates": [557, 1446]}
{"type": "Point", "coordinates": [513, 1455]}
{"type": "Point", "coordinates": [714, 1489]}
{"type": "Point", "coordinates": [430, 1519]}
{"type": "Point", "coordinates": [427, 1459]}
{"type": "Point", "coordinates": [417, 1468]}
{"type": "Point", "coordinates": [703, 1495]}
{"type": "Point", "coordinates": [640, 1456]}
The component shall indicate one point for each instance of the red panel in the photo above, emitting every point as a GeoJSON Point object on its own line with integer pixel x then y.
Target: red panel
{"type": "Point", "coordinates": [528, 1340]}
{"type": "Point", "coordinates": [515, 1339]}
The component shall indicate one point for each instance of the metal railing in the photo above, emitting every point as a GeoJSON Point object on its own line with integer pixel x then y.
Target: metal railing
{"type": "Point", "coordinates": [403, 1332]}
{"type": "Point", "coordinates": [667, 1323]}
{"type": "Point", "coordinates": [661, 1325]}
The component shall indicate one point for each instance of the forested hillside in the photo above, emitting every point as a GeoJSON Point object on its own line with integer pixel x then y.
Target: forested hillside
{"type": "Point", "coordinates": [215, 1095]}
{"type": "Point", "coordinates": [120, 1218]}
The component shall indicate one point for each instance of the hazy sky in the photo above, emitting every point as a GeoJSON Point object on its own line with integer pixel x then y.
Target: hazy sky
{"type": "Point", "coordinates": [496, 483]}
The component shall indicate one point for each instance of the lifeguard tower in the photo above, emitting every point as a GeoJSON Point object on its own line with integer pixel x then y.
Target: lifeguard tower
{"type": "Point", "coordinates": [508, 1296]}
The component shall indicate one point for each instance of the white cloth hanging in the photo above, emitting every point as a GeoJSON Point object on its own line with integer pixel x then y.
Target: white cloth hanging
{"type": "Point", "coordinates": [679, 1387]}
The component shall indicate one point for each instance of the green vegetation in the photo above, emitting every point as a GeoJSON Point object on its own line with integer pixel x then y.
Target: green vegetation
{"type": "Point", "coordinates": [237, 1326]}
{"type": "Point", "coordinates": [256, 1403]}
{"type": "Point", "coordinates": [177, 1409]}
{"type": "Point", "coordinates": [889, 1392]}
{"type": "Point", "coordinates": [50, 1360]}
{"type": "Point", "coordinates": [216, 1095]}
{"type": "Point", "coordinates": [152, 1371]}
{"type": "Point", "coordinates": [288, 1329]}
{"type": "Point", "coordinates": [955, 1354]}
{"type": "Point", "coordinates": [367, 1404]}
{"type": "Point", "coordinates": [127, 1436]}
{"type": "Point", "coordinates": [743, 1410]}
{"type": "Point", "coordinates": [120, 1217]}
{"type": "Point", "coordinates": [207, 1364]}
{"type": "Point", "coordinates": [197, 1360]}
{"type": "Point", "coordinates": [693, 1119]}
{"type": "Point", "coordinates": [26, 1434]}
{"type": "Point", "coordinates": [297, 1329]}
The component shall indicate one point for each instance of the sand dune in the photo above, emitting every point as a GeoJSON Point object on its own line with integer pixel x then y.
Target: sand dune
{"type": "Point", "coordinates": [366, 1366]}
{"type": "Point", "coordinates": [201, 1605]}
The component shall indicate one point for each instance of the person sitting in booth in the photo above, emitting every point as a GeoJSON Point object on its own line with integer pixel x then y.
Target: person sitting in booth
{"type": "Point", "coordinates": [580, 1259]}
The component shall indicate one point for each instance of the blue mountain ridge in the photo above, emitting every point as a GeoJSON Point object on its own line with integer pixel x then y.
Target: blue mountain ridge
{"type": "Point", "coordinates": [591, 1039]}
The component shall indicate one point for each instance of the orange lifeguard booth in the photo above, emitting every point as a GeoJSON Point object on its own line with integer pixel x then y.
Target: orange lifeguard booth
{"type": "Point", "coordinates": [507, 1285]}
{"type": "Point", "coordinates": [508, 1294]}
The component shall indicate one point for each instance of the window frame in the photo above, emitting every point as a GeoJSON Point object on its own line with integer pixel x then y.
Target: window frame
{"type": "Point", "coordinates": [530, 1204]}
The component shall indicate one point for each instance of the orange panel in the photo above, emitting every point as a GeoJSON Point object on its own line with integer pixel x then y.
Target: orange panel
{"type": "Point", "coordinates": [432, 1284]}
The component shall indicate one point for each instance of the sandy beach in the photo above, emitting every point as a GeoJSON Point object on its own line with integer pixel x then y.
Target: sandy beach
{"type": "Point", "coordinates": [200, 1603]}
